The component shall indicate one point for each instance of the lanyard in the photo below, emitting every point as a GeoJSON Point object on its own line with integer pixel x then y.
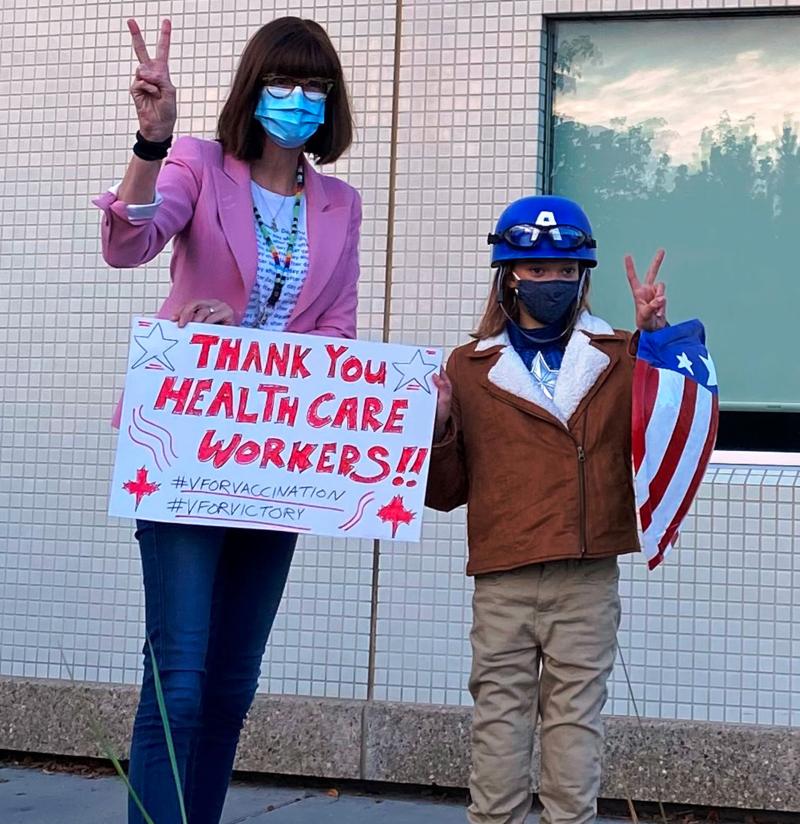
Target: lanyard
{"type": "Point", "coordinates": [281, 269]}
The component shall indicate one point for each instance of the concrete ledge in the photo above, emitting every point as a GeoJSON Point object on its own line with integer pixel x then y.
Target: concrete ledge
{"type": "Point", "coordinates": [677, 762]}
{"type": "Point", "coordinates": [417, 744]}
{"type": "Point", "coordinates": [302, 736]}
{"type": "Point", "coordinates": [680, 762]}
{"type": "Point", "coordinates": [284, 734]}
{"type": "Point", "coordinates": [49, 716]}
{"type": "Point", "coordinates": [690, 762]}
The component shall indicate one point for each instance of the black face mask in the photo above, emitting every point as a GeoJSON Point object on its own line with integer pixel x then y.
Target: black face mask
{"type": "Point", "coordinates": [549, 301]}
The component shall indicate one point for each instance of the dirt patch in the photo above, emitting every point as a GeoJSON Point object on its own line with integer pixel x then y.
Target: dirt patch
{"type": "Point", "coordinates": [85, 768]}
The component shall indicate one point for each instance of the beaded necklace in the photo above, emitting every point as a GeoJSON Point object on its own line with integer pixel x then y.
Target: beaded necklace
{"type": "Point", "coordinates": [281, 269]}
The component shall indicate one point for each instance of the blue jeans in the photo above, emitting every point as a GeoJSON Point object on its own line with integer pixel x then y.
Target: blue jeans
{"type": "Point", "coordinates": [211, 594]}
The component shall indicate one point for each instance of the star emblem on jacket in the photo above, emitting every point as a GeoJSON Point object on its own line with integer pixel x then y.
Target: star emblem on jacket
{"type": "Point", "coordinates": [543, 375]}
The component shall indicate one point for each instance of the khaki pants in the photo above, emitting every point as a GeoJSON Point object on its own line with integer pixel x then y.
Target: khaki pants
{"type": "Point", "coordinates": [560, 617]}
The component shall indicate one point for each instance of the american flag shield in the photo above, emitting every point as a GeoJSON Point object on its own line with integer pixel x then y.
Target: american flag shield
{"type": "Point", "coordinates": [674, 428]}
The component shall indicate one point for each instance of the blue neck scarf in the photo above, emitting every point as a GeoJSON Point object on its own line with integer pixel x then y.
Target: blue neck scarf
{"type": "Point", "coordinates": [528, 344]}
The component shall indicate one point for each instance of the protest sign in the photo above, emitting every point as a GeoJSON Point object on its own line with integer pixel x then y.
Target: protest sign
{"type": "Point", "coordinates": [238, 427]}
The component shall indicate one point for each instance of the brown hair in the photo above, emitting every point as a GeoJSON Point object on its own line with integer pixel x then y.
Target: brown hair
{"type": "Point", "coordinates": [295, 48]}
{"type": "Point", "coordinates": [493, 320]}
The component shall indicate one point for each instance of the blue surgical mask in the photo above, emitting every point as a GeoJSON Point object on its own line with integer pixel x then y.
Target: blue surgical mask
{"type": "Point", "coordinates": [289, 121]}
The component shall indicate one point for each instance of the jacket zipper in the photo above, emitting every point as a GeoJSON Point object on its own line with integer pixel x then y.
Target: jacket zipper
{"type": "Point", "coordinates": [581, 472]}
{"type": "Point", "coordinates": [582, 490]}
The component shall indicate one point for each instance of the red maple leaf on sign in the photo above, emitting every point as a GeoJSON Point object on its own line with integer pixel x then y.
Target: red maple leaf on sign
{"type": "Point", "coordinates": [141, 486]}
{"type": "Point", "coordinates": [395, 513]}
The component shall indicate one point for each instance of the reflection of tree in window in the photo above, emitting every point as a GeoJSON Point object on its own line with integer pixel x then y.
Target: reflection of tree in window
{"type": "Point", "coordinates": [570, 57]}
{"type": "Point", "coordinates": [632, 167]}
{"type": "Point", "coordinates": [730, 205]}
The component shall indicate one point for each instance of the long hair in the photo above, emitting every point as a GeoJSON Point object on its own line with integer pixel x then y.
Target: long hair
{"type": "Point", "coordinates": [295, 48]}
{"type": "Point", "coordinates": [493, 319]}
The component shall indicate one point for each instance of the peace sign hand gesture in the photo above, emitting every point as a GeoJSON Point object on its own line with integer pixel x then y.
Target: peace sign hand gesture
{"type": "Point", "coordinates": [152, 90]}
{"type": "Point", "coordinates": [648, 298]}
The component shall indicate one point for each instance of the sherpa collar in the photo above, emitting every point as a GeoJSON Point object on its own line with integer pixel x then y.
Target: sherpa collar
{"type": "Point", "coordinates": [582, 365]}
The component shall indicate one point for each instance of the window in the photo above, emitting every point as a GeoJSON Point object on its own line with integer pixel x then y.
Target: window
{"type": "Point", "coordinates": [683, 133]}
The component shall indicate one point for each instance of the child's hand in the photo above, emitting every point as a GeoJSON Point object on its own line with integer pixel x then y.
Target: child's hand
{"type": "Point", "coordinates": [443, 403]}
{"type": "Point", "coordinates": [649, 300]}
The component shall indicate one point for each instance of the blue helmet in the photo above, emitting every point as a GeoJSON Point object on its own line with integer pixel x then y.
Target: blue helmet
{"type": "Point", "coordinates": [542, 227]}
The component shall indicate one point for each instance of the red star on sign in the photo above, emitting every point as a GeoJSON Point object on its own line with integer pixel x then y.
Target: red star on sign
{"type": "Point", "coordinates": [395, 514]}
{"type": "Point", "coordinates": [141, 486]}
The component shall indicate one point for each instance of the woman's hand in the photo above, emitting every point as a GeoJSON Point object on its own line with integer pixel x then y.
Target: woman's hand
{"type": "Point", "coordinates": [444, 401]}
{"type": "Point", "coordinates": [204, 311]}
{"type": "Point", "coordinates": [649, 300]}
{"type": "Point", "coordinates": [152, 90]}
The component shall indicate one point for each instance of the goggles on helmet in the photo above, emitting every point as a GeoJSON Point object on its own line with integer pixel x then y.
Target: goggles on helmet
{"type": "Point", "coordinates": [527, 236]}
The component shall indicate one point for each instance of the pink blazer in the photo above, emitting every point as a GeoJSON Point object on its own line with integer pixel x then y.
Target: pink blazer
{"type": "Point", "coordinates": [208, 210]}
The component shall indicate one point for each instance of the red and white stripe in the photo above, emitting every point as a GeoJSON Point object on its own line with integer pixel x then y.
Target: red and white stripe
{"type": "Point", "coordinates": [670, 451]}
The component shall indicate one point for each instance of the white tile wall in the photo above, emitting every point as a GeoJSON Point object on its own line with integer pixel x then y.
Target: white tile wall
{"type": "Point", "coordinates": [711, 635]}
{"type": "Point", "coordinates": [69, 575]}
{"type": "Point", "coordinates": [696, 634]}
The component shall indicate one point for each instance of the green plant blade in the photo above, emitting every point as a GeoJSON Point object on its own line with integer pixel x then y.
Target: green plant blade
{"type": "Point", "coordinates": [121, 773]}
{"type": "Point", "coordinates": [108, 750]}
{"type": "Point", "coordinates": [168, 734]}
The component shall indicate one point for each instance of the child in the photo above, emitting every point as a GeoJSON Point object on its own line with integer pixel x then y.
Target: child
{"type": "Point", "coordinates": [533, 432]}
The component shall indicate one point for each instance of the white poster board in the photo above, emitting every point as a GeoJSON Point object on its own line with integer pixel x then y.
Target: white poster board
{"type": "Point", "coordinates": [243, 428]}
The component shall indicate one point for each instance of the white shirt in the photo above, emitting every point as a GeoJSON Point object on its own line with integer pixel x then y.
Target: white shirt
{"type": "Point", "coordinates": [272, 206]}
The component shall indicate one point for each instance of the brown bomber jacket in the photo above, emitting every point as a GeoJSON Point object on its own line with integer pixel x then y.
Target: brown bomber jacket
{"type": "Point", "coordinates": [542, 479]}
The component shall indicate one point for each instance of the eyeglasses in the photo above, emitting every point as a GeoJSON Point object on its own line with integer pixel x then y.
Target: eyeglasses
{"type": "Point", "coordinates": [526, 236]}
{"type": "Point", "coordinates": [281, 86]}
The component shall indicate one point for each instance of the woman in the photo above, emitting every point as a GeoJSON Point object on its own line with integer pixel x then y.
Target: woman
{"type": "Point", "coordinates": [260, 240]}
{"type": "Point", "coordinates": [533, 433]}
